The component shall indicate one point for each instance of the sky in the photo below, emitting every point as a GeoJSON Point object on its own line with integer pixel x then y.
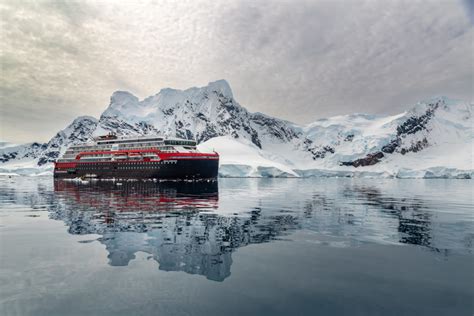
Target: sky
{"type": "Point", "coordinates": [297, 60]}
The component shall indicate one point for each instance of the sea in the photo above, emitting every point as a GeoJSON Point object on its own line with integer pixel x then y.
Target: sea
{"type": "Point", "coordinates": [241, 246]}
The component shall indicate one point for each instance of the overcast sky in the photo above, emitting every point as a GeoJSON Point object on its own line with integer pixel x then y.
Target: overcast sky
{"type": "Point", "coordinates": [298, 60]}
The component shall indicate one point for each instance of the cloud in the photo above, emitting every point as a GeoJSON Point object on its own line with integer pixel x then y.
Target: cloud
{"type": "Point", "coordinates": [328, 58]}
{"type": "Point", "coordinates": [469, 4]}
{"type": "Point", "coordinates": [299, 60]}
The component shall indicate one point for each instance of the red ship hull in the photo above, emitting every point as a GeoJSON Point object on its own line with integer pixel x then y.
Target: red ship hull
{"type": "Point", "coordinates": [169, 166]}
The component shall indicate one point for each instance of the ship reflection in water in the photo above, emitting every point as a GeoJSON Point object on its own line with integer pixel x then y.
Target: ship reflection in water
{"type": "Point", "coordinates": [173, 222]}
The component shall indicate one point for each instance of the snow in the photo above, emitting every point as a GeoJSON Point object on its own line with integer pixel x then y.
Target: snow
{"type": "Point", "coordinates": [4, 144]}
{"type": "Point", "coordinates": [241, 158]}
{"type": "Point", "coordinates": [28, 167]}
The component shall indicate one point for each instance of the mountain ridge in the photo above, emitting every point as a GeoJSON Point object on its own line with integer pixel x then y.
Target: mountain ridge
{"type": "Point", "coordinates": [343, 143]}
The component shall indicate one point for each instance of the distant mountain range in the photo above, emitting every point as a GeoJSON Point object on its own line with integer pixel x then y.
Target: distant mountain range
{"type": "Point", "coordinates": [431, 139]}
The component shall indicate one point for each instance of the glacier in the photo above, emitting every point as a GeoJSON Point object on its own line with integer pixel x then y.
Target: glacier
{"type": "Point", "coordinates": [431, 139]}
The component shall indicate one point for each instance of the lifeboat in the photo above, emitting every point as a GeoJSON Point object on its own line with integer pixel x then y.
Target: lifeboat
{"type": "Point", "coordinates": [135, 156]}
{"type": "Point", "coordinates": [120, 156]}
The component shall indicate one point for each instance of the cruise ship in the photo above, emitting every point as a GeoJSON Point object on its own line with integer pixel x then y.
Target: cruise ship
{"type": "Point", "coordinates": [144, 157]}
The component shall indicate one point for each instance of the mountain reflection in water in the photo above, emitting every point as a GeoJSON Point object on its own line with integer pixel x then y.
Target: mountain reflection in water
{"type": "Point", "coordinates": [195, 227]}
{"type": "Point", "coordinates": [171, 221]}
{"type": "Point", "coordinates": [414, 221]}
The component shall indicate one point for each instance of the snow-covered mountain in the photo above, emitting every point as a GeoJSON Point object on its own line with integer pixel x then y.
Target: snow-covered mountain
{"type": "Point", "coordinates": [432, 139]}
{"type": "Point", "coordinates": [196, 113]}
{"type": "Point", "coordinates": [36, 158]}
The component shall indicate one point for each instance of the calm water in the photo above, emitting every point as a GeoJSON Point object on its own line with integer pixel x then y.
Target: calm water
{"type": "Point", "coordinates": [237, 247]}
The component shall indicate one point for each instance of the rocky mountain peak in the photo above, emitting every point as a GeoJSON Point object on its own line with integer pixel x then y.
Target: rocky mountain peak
{"type": "Point", "coordinates": [121, 100]}
{"type": "Point", "coordinates": [119, 97]}
{"type": "Point", "coordinates": [222, 87]}
{"type": "Point", "coordinates": [83, 119]}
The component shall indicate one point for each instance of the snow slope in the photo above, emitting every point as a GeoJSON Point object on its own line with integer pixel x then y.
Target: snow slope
{"type": "Point", "coordinates": [242, 158]}
{"type": "Point", "coordinates": [431, 139]}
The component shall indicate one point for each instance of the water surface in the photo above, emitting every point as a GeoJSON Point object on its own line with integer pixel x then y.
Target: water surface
{"type": "Point", "coordinates": [236, 247]}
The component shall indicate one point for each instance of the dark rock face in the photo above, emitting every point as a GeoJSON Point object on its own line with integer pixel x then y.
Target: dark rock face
{"type": "Point", "coordinates": [391, 147]}
{"type": "Point", "coordinates": [323, 152]}
{"type": "Point", "coordinates": [113, 123]}
{"type": "Point", "coordinates": [370, 159]}
{"type": "Point", "coordinates": [8, 157]}
{"type": "Point", "coordinates": [410, 126]}
{"type": "Point", "coordinates": [42, 161]}
{"type": "Point", "coordinates": [349, 138]}
{"type": "Point", "coordinates": [168, 111]}
{"type": "Point", "coordinates": [317, 152]}
{"type": "Point", "coordinates": [419, 145]}
{"type": "Point", "coordinates": [417, 123]}
{"type": "Point", "coordinates": [277, 128]}
{"type": "Point", "coordinates": [50, 156]}
{"type": "Point", "coordinates": [208, 133]}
